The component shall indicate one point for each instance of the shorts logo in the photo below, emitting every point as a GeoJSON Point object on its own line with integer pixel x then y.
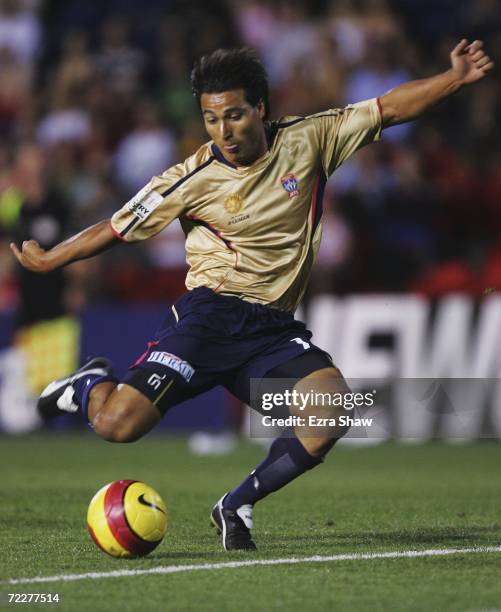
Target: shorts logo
{"type": "Point", "coordinates": [144, 203]}
{"type": "Point", "coordinates": [233, 203]}
{"type": "Point", "coordinates": [290, 184]}
{"type": "Point", "coordinates": [155, 380]}
{"type": "Point", "coordinates": [173, 362]}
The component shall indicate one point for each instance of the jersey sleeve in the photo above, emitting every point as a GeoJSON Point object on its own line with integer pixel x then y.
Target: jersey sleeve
{"type": "Point", "coordinates": [152, 208]}
{"type": "Point", "coordinates": [344, 131]}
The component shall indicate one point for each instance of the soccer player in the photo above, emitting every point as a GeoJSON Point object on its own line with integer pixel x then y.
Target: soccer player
{"type": "Point", "coordinates": [250, 204]}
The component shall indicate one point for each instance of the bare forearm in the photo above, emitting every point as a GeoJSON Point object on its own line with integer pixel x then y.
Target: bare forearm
{"type": "Point", "coordinates": [469, 64]}
{"type": "Point", "coordinates": [412, 99]}
{"type": "Point", "coordinates": [83, 245]}
{"type": "Point", "coordinates": [87, 243]}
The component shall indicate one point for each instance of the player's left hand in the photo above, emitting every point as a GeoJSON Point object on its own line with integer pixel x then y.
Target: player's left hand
{"type": "Point", "coordinates": [470, 62]}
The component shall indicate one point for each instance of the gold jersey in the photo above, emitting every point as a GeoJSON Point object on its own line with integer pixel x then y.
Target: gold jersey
{"type": "Point", "coordinates": [253, 232]}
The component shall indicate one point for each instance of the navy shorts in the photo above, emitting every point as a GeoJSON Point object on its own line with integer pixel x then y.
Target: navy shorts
{"type": "Point", "coordinates": [209, 339]}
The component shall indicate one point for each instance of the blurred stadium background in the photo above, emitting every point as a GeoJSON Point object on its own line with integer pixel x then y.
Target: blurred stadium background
{"type": "Point", "coordinates": [95, 99]}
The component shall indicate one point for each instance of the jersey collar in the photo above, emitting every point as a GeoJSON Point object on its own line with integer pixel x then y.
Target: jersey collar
{"type": "Point", "coordinates": [216, 151]}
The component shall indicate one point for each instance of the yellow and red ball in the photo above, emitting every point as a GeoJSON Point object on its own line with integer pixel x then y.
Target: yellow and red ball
{"type": "Point", "coordinates": [127, 518]}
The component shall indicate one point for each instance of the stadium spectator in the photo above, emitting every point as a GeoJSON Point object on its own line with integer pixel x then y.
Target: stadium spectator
{"type": "Point", "coordinates": [15, 89]}
{"type": "Point", "coordinates": [257, 23]}
{"type": "Point", "coordinates": [75, 70]}
{"type": "Point", "coordinates": [42, 213]}
{"type": "Point", "coordinates": [20, 30]}
{"type": "Point", "coordinates": [147, 150]}
{"type": "Point", "coordinates": [120, 64]}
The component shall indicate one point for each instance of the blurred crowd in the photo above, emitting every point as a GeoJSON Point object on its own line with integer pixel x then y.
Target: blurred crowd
{"type": "Point", "coordinates": [95, 99]}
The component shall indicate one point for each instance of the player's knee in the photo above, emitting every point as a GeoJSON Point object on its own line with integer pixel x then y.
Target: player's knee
{"type": "Point", "coordinates": [323, 389]}
{"type": "Point", "coordinates": [125, 417]}
{"type": "Point", "coordinates": [115, 424]}
{"type": "Point", "coordinates": [114, 430]}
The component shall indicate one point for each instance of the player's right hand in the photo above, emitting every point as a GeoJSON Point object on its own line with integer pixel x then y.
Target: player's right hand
{"type": "Point", "coordinates": [32, 256]}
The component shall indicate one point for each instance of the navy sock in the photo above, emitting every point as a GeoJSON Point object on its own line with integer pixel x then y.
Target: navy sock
{"type": "Point", "coordinates": [83, 386]}
{"type": "Point", "coordinates": [287, 459]}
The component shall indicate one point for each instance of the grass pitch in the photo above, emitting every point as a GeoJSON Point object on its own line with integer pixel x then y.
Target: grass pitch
{"type": "Point", "coordinates": [384, 498]}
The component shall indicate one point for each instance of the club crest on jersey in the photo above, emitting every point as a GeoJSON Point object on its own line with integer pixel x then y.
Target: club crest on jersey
{"type": "Point", "coordinates": [290, 184]}
{"type": "Point", "coordinates": [233, 203]}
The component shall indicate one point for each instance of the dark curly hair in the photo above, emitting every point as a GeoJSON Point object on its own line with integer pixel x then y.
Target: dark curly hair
{"type": "Point", "coordinates": [227, 69]}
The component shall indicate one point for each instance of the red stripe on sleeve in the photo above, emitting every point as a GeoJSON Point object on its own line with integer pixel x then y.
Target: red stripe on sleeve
{"type": "Point", "coordinates": [116, 234]}
{"type": "Point", "coordinates": [380, 108]}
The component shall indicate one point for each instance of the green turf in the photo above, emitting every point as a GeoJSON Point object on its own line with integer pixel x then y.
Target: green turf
{"type": "Point", "coordinates": [384, 498]}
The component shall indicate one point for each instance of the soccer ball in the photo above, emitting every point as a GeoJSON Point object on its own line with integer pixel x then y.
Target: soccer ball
{"type": "Point", "coordinates": [127, 518]}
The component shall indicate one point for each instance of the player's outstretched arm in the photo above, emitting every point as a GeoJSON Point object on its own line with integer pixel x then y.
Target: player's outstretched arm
{"type": "Point", "coordinates": [469, 64]}
{"type": "Point", "coordinates": [87, 243]}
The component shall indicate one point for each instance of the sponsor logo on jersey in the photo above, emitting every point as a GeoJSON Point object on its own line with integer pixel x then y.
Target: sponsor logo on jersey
{"type": "Point", "coordinates": [173, 362]}
{"type": "Point", "coordinates": [144, 203]}
{"type": "Point", "coordinates": [290, 184]}
{"type": "Point", "coordinates": [233, 203]}
{"type": "Point", "coordinates": [238, 219]}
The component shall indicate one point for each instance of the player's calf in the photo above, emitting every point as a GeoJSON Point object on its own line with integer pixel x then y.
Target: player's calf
{"type": "Point", "coordinates": [319, 412]}
{"type": "Point", "coordinates": [295, 451]}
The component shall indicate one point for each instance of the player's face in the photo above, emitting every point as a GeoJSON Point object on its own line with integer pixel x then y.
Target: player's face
{"type": "Point", "coordinates": [235, 125]}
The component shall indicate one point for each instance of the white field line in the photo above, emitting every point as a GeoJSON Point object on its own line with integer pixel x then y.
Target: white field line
{"type": "Point", "coordinates": [173, 569]}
